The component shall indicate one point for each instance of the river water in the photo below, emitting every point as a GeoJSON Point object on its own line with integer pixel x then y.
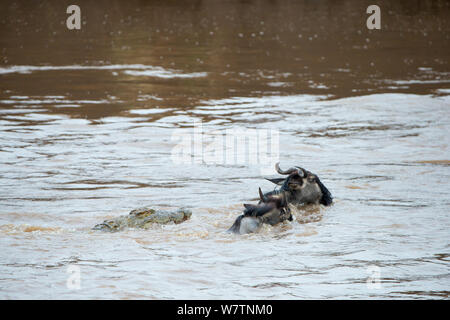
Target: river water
{"type": "Point", "coordinates": [90, 120]}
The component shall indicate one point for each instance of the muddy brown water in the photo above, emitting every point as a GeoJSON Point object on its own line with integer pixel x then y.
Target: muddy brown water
{"type": "Point", "coordinates": [88, 119]}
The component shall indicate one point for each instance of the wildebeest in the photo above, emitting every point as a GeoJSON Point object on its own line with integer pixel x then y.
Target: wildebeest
{"type": "Point", "coordinates": [271, 210]}
{"type": "Point", "coordinates": [300, 187]}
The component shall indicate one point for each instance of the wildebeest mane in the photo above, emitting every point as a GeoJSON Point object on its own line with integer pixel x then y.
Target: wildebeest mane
{"type": "Point", "coordinates": [236, 225]}
{"type": "Point", "coordinates": [326, 199]}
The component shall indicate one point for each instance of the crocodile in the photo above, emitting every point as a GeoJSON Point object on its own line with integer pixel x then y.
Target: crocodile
{"type": "Point", "coordinates": [144, 218]}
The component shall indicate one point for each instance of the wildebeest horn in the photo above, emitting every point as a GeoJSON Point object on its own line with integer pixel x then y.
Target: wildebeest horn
{"type": "Point", "coordinates": [277, 181]}
{"type": "Point", "coordinates": [302, 172]}
{"type": "Point", "coordinates": [288, 171]}
{"type": "Point", "coordinates": [261, 196]}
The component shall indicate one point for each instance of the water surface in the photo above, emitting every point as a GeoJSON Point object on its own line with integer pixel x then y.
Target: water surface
{"type": "Point", "coordinates": [87, 122]}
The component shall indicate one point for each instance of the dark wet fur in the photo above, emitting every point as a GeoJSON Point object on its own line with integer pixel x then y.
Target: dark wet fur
{"type": "Point", "coordinates": [327, 198]}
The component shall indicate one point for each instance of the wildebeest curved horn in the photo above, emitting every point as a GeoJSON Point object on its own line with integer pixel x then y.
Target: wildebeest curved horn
{"type": "Point", "coordinates": [302, 172]}
{"type": "Point", "coordinates": [288, 171]}
{"type": "Point", "coordinates": [261, 196]}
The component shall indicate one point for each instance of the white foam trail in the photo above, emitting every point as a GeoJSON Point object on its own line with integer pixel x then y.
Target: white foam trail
{"type": "Point", "coordinates": [149, 111]}
{"type": "Point", "coordinates": [29, 69]}
{"type": "Point", "coordinates": [150, 71]}
{"type": "Point", "coordinates": [400, 82]}
{"type": "Point", "coordinates": [165, 74]}
{"type": "Point", "coordinates": [53, 101]}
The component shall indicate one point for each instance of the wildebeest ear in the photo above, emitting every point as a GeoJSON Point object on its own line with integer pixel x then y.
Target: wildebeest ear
{"type": "Point", "coordinates": [277, 181]}
{"type": "Point", "coordinates": [326, 199]}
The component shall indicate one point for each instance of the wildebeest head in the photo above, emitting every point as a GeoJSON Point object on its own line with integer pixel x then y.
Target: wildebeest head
{"type": "Point", "coordinates": [270, 210]}
{"type": "Point", "coordinates": [301, 186]}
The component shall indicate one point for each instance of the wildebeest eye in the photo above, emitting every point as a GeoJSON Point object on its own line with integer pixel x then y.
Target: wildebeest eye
{"type": "Point", "coordinates": [312, 179]}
